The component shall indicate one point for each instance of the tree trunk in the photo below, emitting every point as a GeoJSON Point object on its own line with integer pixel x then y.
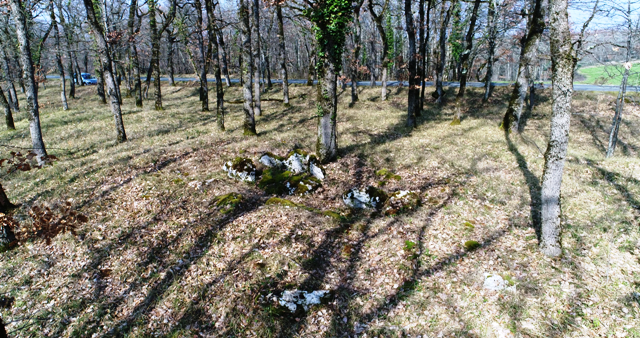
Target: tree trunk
{"type": "Point", "coordinates": [563, 64]}
{"type": "Point", "coordinates": [385, 45]}
{"type": "Point", "coordinates": [617, 118]}
{"type": "Point", "coordinates": [493, 35]}
{"type": "Point", "coordinates": [282, 53]}
{"type": "Point", "coordinates": [326, 146]}
{"type": "Point", "coordinates": [249, 119]}
{"type": "Point", "coordinates": [223, 58]}
{"type": "Point", "coordinates": [414, 93]}
{"type": "Point", "coordinates": [536, 25]}
{"type": "Point", "coordinates": [7, 111]}
{"type": "Point", "coordinates": [100, 85]}
{"type": "Point", "coordinates": [5, 204]}
{"type": "Point", "coordinates": [466, 54]}
{"type": "Point", "coordinates": [155, 53]}
{"type": "Point", "coordinates": [31, 88]}
{"type": "Point", "coordinates": [170, 42]}
{"type": "Point", "coordinates": [424, 48]}
{"type": "Point", "coordinates": [212, 30]}
{"type": "Point", "coordinates": [58, 57]}
{"type": "Point", "coordinates": [135, 63]}
{"type": "Point", "coordinates": [255, 48]}
{"type": "Point", "coordinates": [357, 44]}
{"type": "Point", "coordinates": [105, 58]}
{"type": "Point", "coordinates": [11, 89]}
{"type": "Point", "coordinates": [443, 51]}
{"type": "Point", "coordinates": [204, 56]}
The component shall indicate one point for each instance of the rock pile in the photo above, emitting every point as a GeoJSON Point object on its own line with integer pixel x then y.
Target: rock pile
{"type": "Point", "coordinates": [298, 173]}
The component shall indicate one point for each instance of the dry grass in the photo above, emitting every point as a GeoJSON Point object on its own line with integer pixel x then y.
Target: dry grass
{"type": "Point", "coordinates": [157, 259]}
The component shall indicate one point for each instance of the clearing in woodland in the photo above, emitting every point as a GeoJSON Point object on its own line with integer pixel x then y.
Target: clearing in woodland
{"type": "Point", "coordinates": [158, 258]}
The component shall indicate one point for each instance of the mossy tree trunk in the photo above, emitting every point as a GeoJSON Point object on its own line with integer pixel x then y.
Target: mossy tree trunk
{"type": "Point", "coordinates": [563, 63]}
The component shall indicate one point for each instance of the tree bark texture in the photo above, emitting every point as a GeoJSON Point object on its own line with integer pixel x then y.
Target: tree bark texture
{"type": "Point", "coordinates": [247, 93]}
{"type": "Point", "coordinates": [414, 93]}
{"type": "Point", "coordinates": [135, 63]}
{"type": "Point", "coordinates": [536, 25]}
{"type": "Point", "coordinates": [255, 49]}
{"type": "Point", "coordinates": [31, 89]}
{"type": "Point", "coordinates": [6, 107]}
{"type": "Point", "coordinates": [563, 63]}
{"type": "Point", "coordinates": [105, 58]}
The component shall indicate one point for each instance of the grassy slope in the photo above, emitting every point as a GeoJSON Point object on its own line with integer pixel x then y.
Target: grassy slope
{"type": "Point", "coordinates": [609, 75]}
{"type": "Point", "coordinates": [157, 258]}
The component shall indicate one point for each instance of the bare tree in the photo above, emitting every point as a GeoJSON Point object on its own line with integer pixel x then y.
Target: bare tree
{"type": "Point", "coordinates": [31, 90]}
{"type": "Point", "coordinates": [535, 28]}
{"type": "Point", "coordinates": [378, 19]}
{"type": "Point", "coordinates": [105, 58]}
{"type": "Point", "coordinates": [58, 57]}
{"type": "Point", "coordinates": [282, 54]}
{"type": "Point", "coordinates": [617, 117]}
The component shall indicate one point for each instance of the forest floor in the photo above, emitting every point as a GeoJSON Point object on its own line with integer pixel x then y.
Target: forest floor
{"type": "Point", "coordinates": [158, 259]}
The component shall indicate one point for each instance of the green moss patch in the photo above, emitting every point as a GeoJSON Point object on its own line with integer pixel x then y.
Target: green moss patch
{"type": "Point", "coordinates": [228, 202]}
{"type": "Point", "coordinates": [388, 174]}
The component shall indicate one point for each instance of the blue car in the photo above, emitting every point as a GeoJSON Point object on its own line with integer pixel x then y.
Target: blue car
{"type": "Point", "coordinates": [87, 79]}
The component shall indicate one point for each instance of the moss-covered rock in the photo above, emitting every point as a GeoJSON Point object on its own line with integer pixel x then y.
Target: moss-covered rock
{"type": "Point", "coordinates": [401, 201]}
{"type": "Point", "coordinates": [278, 182]}
{"type": "Point", "coordinates": [228, 202]}
{"type": "Point", "coordinates": [369, 198]}
{"type": "Point", "coordinates": [297, 161]}
{"type": "Point", "coordinates": [272, 160]}
{"type": "Point", "coordinates": [242, 169]}
{"type": "Point", "coordinates": [472, 245]}
{"type": "Point", "coordinates": [315, 169]}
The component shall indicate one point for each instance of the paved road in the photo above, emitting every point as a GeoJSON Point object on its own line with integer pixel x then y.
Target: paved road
{"type": "Point", "coordinates": [577, 87]}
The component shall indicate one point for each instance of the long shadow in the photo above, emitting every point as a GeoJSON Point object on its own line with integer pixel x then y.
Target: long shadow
{"type": "Point", "coordinates": [613, 178]}
{"type": "Point", "coordinates": [346, 290]}
{"type": "Point", "coordinates": [533, 183]}
{"type": "Point", "coordinates": [410, 285]}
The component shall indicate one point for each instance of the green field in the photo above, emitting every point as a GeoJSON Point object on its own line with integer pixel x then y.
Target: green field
{"type": "Point", "coordinates": [609, 74]}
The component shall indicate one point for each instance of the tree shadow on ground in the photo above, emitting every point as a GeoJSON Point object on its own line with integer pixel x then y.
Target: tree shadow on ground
{"type": "Point", "coordinates": [533, 183]}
